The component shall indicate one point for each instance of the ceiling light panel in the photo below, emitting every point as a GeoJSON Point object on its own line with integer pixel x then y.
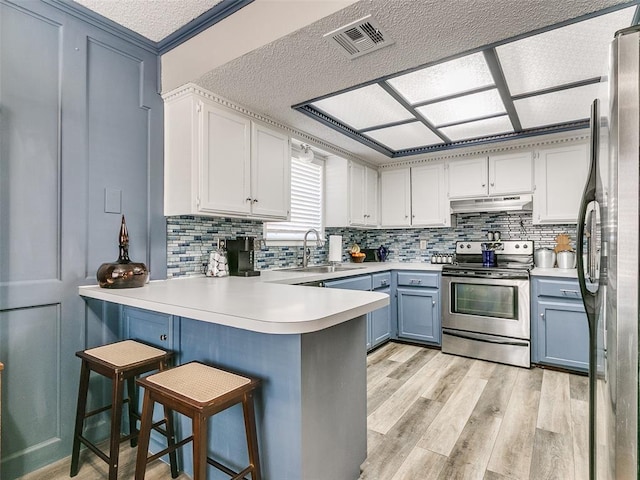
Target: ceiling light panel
{"type": "Point", "coordinates": [408, 135]}
{"type": "Point", "coordinates": [561, 56]}
{"type": "Point", "coordinates": [364, 107]}
{"type": "Point", "coordinates": [448, 78]}
{"type": "Point", "coordinates": [479, 128]}
{"type": "Point", "coordinates": [460, 109]}
{"type": "Point", "coordinates": [558, 107]}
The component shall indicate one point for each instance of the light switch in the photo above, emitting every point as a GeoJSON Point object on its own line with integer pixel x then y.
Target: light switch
{"type": "Point", "coordinates": [423, 244]}
{"type": "Point", "coordinates": [112, 200]}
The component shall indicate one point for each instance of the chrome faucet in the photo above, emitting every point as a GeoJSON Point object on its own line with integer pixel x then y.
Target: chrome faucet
{"type": "Point", "coordinates": [306, 253]}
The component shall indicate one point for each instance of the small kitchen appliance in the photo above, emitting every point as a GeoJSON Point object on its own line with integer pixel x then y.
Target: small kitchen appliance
{"type": "Point", "coordinates": [486, 300]}
{"type": "Point", "coordinates": [241, 257]}
{"type": "Point", "coordinates": [544, 258]}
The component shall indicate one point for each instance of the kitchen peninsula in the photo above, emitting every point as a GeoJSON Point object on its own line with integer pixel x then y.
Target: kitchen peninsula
{"type": "Point", "coordinates": [306, 344]}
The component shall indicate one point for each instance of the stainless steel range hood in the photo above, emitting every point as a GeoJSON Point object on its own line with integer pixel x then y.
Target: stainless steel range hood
{"type": "Point", "coordinates": [509, 203]}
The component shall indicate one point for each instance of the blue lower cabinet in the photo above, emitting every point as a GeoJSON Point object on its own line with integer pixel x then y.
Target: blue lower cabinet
{"type": "Point", "coordinates": [379, 330]}
{"type": "Point", "coordinates": [559, 327]}
{"type": "Point", "coordinates": [419, 314]}
{"type": "Point", "coordinates": [149, 327]}
{"type": "Point", "coordinates": [378, 321]}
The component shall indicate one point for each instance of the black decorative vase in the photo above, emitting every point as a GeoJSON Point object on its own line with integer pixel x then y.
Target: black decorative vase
{"type": "Point", "coordinates": [123, 273]}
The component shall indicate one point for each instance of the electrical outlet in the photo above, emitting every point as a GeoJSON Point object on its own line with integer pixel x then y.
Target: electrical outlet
{"type": "Point", "coordinates": [423, 244]}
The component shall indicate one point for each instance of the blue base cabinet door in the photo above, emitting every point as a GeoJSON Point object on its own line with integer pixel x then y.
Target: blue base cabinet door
{"type": "Point", "coordinates": [379, 330]}
{"type": "Point", "coordinates": [562, 335]}
{"type": "Point", "coordinates": [378, 321]}
{"type": "Point", "coordinates": [559, 326]}
{"type": "Point", "coordinates": [153, 328]}
{"type": "Point", "coordinates": [419, 314]}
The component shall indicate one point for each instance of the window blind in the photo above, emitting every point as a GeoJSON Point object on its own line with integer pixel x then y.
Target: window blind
{"type": "Point", "coordinates": [306, 203]}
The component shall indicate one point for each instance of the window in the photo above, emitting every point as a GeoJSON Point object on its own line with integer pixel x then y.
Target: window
{"type": "Point", "coordinates": [307, 187]}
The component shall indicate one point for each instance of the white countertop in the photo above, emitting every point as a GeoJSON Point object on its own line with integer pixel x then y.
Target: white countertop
{"type": "Point", "coordinates": [555, 272]}
{"type": "Point", "coordinates": [267, 304]}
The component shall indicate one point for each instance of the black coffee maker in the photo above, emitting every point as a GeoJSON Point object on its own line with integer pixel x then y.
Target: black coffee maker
{"type": "Point", "coordinates": [241, 257]}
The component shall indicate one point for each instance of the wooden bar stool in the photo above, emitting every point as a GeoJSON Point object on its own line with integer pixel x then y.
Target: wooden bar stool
{"type": "Point", "coordinates": [199, 391]}
{"type": "Point", "coordinates": [121, 362]}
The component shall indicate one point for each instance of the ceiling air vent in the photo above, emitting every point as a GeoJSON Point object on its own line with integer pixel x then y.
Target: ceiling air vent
{"type": "Point", "coordinates": [359, 37]}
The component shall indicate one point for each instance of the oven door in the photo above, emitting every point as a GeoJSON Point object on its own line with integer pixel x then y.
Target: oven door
{"type": "Point", "coordinates": [487, 305]}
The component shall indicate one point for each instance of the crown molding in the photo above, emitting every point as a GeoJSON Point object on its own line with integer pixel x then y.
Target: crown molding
{"type": "Point", "coordinates": [502, 147]}
{"type": "Point", "coordinates": [192, 88]}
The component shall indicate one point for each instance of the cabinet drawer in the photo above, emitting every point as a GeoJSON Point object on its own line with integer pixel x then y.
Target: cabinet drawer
{"type": "Point", "coordinates": [563, 288]}
{"type": "Point", "coordinates": [381, 280]}
{"type": "Point", "coordinates": [362, 282]}
{"type": "Point", "coordinates": [419, 279]}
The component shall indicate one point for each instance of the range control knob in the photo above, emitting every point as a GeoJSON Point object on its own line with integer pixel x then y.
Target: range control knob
{"type": "Point", "coordinates": [517, 245]}
{"type": "Point", "coordinates": [525, 246]}
{"type": "Point", "coordinates": [468, 245]}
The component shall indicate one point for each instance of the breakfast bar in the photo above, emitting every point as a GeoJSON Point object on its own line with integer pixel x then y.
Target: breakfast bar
{"type": "Point", "coordinates": [307, 345]}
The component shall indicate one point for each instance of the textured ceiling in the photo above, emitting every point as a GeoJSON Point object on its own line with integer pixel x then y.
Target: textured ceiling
{"type": "Point", "coordinates": [153, 19]}
{"type": "Point", "coordinates": [302, 66]}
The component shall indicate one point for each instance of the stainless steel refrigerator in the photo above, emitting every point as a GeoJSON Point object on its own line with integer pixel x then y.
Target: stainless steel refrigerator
{"type": "Point", "coordinates": [608, 267]}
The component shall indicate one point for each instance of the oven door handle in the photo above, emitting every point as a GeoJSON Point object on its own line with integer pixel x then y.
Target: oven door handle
{"type": "Point", "coordinates": [484, 338]}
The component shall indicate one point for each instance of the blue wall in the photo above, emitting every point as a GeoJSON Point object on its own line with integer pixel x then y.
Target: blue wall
{"type": "Point", "coordinates": [190, 239]}
{"type": "Point", "coordinates": [80, 143]}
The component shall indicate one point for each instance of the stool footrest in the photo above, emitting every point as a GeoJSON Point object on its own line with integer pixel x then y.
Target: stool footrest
{"type": "Point", "coordinates": [94, 449]}
{"type": "Point", "coordinates": [169, 449]}
{"type": "Point", "coordinates": [234, 475]}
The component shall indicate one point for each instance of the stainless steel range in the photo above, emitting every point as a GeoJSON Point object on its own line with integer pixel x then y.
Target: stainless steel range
{"type": "Point", "coordinates": [486, 302]}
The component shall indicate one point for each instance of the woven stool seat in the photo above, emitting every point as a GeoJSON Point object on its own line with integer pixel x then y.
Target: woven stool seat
{"type": "Point", "coordinates": [127, 352]}
{"type": "Point", "coordinates": [198, 382]}
{"type": "Point", "coordinates": [199, 391]}
{"type": "Point", "coordinates": [121, 362]}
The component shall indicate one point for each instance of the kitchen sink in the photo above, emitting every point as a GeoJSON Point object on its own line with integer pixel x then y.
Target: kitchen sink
{"type": "Point", "coordinates": [324, 268]}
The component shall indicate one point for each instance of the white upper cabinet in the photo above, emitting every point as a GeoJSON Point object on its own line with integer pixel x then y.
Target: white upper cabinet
{"type": "Point", "coordinates": [395, 198]}
{"type": "Point", "coordinates": [351, 194]}
{"type": "Point", "coordinates": [270, 173]}
{"type": "Point", "coordinates": [503, 174]}
{"type": "Point", "coordinates": [371, 196]}
{"type": "Point", "coordinates": [222, 163]}
{"type": "Point", "coordinates": [511, 173]}
{"type": "Point", "coordinates": [429, 204]}
{"type": "Point", "coordinates": [225, 161]}
{"type": "Point", "coordinates": [560, 176]}
{"type": "Point", "coordinates": [415, 196]}
{"type": "Point", "coordinates": [468, 177]}
{"type": "Point", "coordinates": [357, 194]}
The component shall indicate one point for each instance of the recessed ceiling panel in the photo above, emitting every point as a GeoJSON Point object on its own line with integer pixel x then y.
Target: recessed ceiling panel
{"type": "Point", "coordinates": [448, 78]}
{"type": "Point", "coordinates": [408, 135]}
{"type": "Point", "coordinates": [479, 128]}
{"type": "Point", "coordinates": [561, 56]}
{"type": "Point", "coordinates": [364, 107]}
{"type": "Point", "coordinates": [467, 107]}
{"type": "Point", "coordinates": [558, 107]}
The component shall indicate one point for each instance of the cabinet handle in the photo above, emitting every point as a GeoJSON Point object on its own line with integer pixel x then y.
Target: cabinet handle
{"type": "Point", "coordinates": [492, 184]}
{"type": "Point", "coordinates": [434, 303]}
{"type": "Point", "coordinates": [406, 216]}
{"type": "Point", "coordinates": [383, 282]}
{"type": "Point", "coordinates": [255, 200]}
{"type": "Point", "coordinates": [248, 199]}
{"type": "Point", "coordinates": [574, 293]}
{"type": "Point", "coordinates": [415, 281]}
{"type": "Point", "coordinates": [542, 316]}
{"type": "Point", "coordinates": [163, 337]}
{"type": "Point", "coordinates": [484, 185]}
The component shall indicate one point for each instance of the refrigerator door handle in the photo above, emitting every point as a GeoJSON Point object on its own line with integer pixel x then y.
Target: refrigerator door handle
{"type": "Point", "coordinates": [588, 197]}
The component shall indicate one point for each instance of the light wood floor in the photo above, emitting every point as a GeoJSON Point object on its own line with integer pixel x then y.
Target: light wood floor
{"type": "Point", "coordinates": [436, 416]}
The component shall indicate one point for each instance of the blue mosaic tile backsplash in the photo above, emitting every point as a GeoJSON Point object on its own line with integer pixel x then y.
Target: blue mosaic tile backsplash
{"type": "Point", "coordinates": [191, 238]}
